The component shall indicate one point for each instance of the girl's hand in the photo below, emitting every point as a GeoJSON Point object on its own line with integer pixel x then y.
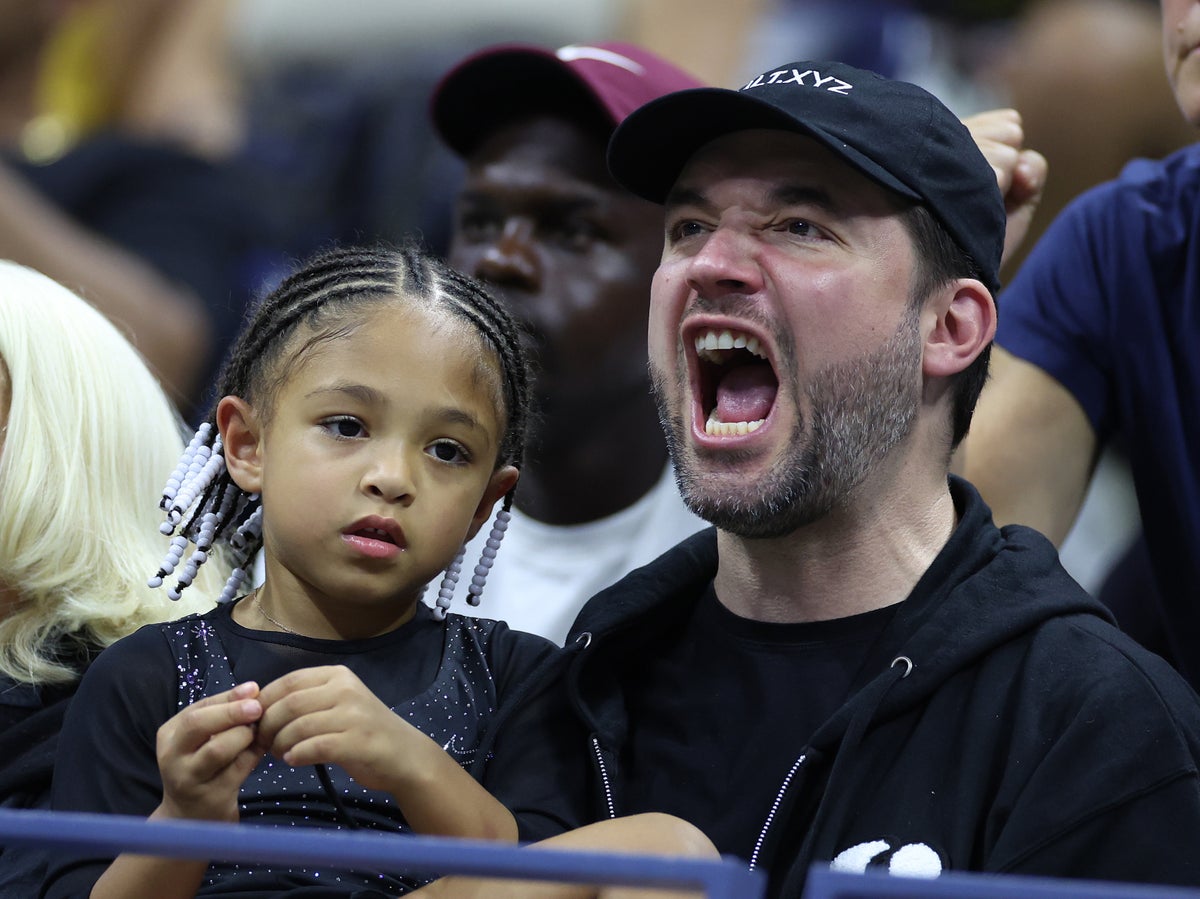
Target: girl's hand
{"type": "Point", "coordinates": [205, 752]}
{"type": "Point", "coordinates": [327, 714]}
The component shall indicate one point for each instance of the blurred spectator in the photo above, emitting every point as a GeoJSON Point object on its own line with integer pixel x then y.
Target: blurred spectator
{"type": "Point", "coordinates": [1096, 346]}
{"type": "Point", "coordinates": [100, 198]}
{"type": "Point", "coordinates": [541, 221]}
{"type": "Point", "coordinates": [88, 439]}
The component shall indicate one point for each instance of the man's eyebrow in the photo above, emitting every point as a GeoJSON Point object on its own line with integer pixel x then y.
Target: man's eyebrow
{"type": "Point", "coordinates": [787, 195]}
{"type": "Point", "coordinates": [797, 195]}
{"type": "Point", "coordinates": [545, 198]}
{"type": "Point", "coordinates": [686, 196]}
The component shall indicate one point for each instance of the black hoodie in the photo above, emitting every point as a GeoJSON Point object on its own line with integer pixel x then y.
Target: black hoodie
{"type": "Point", "coordinates": [1001, 723]}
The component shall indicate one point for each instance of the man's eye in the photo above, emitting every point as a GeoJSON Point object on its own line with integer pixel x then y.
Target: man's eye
{"type": "Point", "coordinates": [574, 234]}
{"type": "Point", "coordinates": [478, 226]}
{"type": "Point", "coordinates": [448, 451]}
{"type": "Point", "coordinates": [802, 228]}
{"type": "Point", "coordinates": [684, 229]}
{"type": "Point", "coordinates": [344, 426]}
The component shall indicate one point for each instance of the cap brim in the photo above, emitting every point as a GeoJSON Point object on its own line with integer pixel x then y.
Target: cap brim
{"type": "Point", "coordinates": [649, 150]}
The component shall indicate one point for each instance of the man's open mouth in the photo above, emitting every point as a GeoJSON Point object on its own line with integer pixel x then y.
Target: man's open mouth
{"type": "Point", "coordinates": [737, 383]}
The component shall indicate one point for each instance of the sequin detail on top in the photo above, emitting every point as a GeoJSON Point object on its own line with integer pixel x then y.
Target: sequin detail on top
{"type": "Point", "coordinates": [200, 660]}
{"type": "Point", "coordinates": [454, 710]}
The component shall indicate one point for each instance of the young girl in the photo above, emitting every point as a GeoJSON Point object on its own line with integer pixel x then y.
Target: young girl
{"type": "Point", "coordinates": [372, 414]}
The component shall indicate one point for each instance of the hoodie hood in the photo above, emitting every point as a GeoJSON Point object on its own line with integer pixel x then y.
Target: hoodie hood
{"type": "Point", "coordinates": [1003, 583]}
{"type": "Point", "coordinates": [987, 587]}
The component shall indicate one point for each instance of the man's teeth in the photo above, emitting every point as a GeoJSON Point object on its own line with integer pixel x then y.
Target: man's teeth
{"type": "Point", "coordinates": [376, 532]}
{"type": "Point", "coordinates": [714, 427]}
{"type": "Point", "coordinates": [707, 343]}
{"type": "Point", "coordinates": [726, 340]}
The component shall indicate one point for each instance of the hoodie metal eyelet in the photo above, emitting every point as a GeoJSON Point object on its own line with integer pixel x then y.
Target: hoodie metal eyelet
{"type": "Point", "coordinates": [908, 665]}
{"type": "Point", "coordinates": [585, 638]}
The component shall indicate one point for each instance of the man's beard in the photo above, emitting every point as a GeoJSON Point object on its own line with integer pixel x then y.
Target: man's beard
{"type": "Point", "coordinates": [861, 409]}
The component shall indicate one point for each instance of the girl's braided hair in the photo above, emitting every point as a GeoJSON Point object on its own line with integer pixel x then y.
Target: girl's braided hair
{"type": "Point", "coordinates": [202, 503]}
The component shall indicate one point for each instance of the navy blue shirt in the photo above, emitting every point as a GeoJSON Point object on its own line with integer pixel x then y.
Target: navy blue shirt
{"type": "Point", "coordinates": [1108, 304]}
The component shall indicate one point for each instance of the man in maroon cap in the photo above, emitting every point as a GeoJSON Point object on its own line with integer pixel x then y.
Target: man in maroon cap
{"type": "Point", "coordinates": [541, 220]}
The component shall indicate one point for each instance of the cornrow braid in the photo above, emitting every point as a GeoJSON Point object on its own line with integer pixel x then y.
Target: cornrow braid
{"type": "Point", "coordinates": [202, 504]}
{"type": "Point", "coordinates": [477, 305]}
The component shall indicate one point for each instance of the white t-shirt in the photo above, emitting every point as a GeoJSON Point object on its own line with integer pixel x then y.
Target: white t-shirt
{"type": "Point", "coordinates": [545, 573]}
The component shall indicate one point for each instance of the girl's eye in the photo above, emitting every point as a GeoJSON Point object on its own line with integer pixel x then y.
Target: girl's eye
{"type": "Point", "coordinates": [448, 451]}
{"type": "Point", "coordinates": [344, 426]}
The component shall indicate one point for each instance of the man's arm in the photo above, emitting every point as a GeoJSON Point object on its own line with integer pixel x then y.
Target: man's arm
{"type": "Point", "coordinates": [651, 833]}
{"type": "Point", "coordinates": [1031, 449]}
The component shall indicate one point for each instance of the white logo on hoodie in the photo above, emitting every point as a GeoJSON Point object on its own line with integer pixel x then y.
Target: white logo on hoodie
{"type": "Point", "coordinates": [909, 860]}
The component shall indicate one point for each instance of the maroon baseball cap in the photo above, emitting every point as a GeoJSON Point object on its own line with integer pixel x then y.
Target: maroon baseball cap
{"type": "Point", "coordinates": [597, 84]}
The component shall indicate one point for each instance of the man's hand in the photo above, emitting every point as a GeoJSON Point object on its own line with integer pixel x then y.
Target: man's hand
{"type": "Point", "coordinates": [1020, 172]}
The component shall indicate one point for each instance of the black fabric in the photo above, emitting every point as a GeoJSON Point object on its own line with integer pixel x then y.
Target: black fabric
{"type": "Point", "coordinates": [30, 721]}
{"type": "Point", "coordinates": [723, 705]}
{"type": "Point", "coordinates": [1030, 736]}
{"type": "Point", "coordinates": [141, 680]}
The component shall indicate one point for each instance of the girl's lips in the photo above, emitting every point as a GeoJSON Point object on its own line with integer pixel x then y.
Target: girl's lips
{"type": "Point", "coordinates": [375, 537]}
{"type": "Point", "coordinates": [371, 546]}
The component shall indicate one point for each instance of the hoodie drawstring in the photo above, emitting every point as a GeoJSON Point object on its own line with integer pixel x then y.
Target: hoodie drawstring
{"type": "Point", "coordinates": [868, 704]}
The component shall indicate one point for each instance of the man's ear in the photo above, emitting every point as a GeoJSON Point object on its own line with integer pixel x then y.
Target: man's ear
{"type": "Point", "coordinates": [964, 323]}
{"type": "Point", "coordinates": [503, 480]}
{"type": "Point", "coordinates": [241, 435]}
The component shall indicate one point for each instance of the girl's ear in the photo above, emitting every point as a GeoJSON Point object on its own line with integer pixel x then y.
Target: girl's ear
{"type": "Point", "coordinates": [964, 324]}
{"type": "Point", "coordinates": [241, 435]}
{"type": "Point", "coordinates": [503, 480]}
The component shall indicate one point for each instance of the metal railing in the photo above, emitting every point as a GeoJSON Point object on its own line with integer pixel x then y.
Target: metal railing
{"type": "Point", "coordinates": [112, 834]}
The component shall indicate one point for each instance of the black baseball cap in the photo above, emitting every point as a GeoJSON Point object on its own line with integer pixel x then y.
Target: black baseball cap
{"type": "Point", "coordinates": [896, 133]}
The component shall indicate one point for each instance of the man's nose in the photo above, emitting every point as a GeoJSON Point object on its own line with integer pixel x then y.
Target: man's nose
{"type": "Point", "coordinates": [726, 263]}
{"type": "Point", "coordinates": [511, 260]}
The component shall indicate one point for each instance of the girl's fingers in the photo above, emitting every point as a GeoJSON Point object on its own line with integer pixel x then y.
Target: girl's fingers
{"type": "Point", "coordinates": [191, 728]}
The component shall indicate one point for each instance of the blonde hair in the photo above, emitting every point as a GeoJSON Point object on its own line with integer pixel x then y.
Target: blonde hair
{"type": "Point", "coordinates": [90, 440]}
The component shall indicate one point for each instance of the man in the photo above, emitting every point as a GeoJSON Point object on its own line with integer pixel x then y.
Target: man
{"type": "Point", "coordinates": [1097, 346]}
{"type": "Point", "coordinates": [857, 668]}
{"type": "Point", "coordinates": [541, 220]}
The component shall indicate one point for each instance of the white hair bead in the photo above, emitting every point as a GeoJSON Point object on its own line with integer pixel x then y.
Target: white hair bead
{"type": "Point", "coordinates": [487, 557]}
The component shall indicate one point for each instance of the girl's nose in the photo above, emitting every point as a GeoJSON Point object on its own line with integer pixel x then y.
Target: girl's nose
{"type": "Point", "coordinates": [390, 479]}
